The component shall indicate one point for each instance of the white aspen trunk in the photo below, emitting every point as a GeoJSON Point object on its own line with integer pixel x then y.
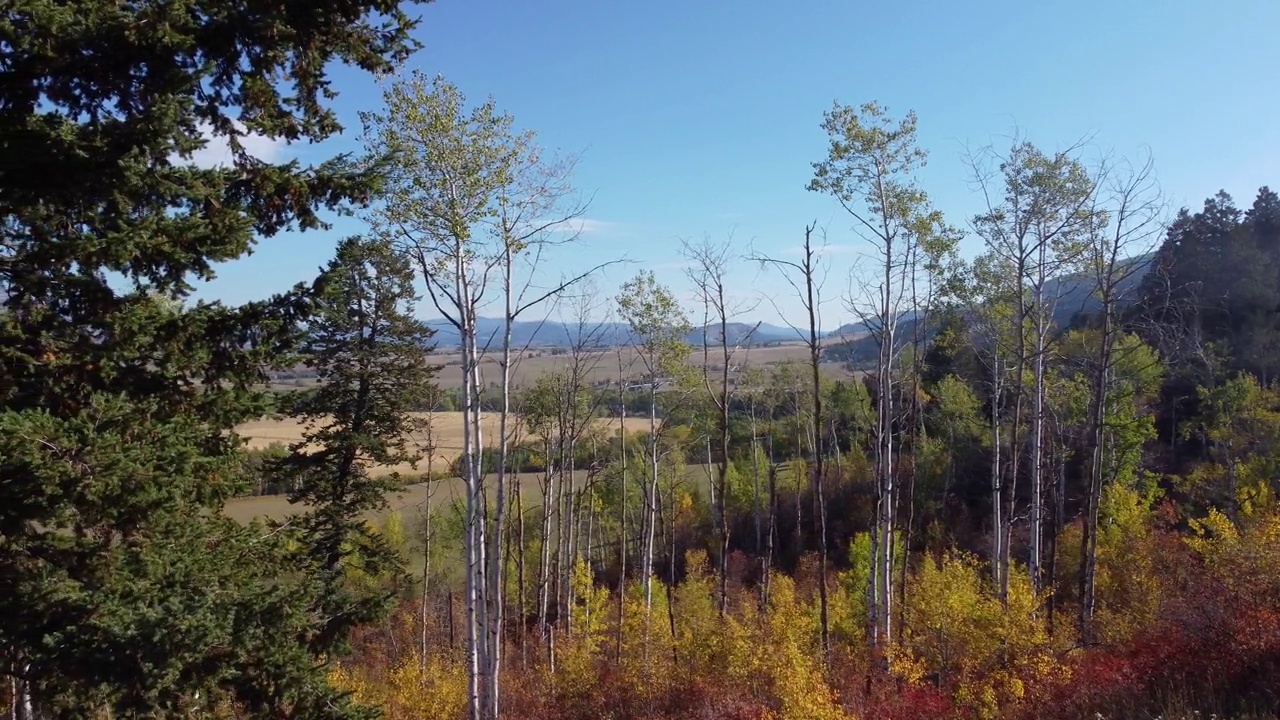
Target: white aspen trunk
{"type": "Point", "coordinates": [521, 577]}
{"type": "Point", "coordinates": [1037, 428]}
{"type": "Point", "coordinates": [472, 531]}
{"type": "Point", "coordinates": [723, 508]}
{"type": "Point", "coordinates": [23, 705]}
{"type": "Point", "coordinates": [755, 481]}
{"type": "Point", "coordinates": [588, 548]}
{"type": "Point", "coordinates": [884, 582]}
{"type": "Point", "coordinates": [560, 529]}
{"type": "Point", "coordinates": [426, 584]}
{"type": "Point", "coordinates": [773, 524]}
{"type": "Point", "coordinates": [495, 599]}
{"type": "Point", "coordinates": [802, 431]}
{"type": "Point", "coordinates": [997, 499]}
{"type": "Point", "coordinates": [671, 555]}
{"type": "Point", "coordinates": [544, 550]}
{"type": "Point", "coordinates": [622, 505]}
{"type": "Point", "coordinates": [569, 526]}
{"type": "Point", "coordinates": [1089, 538]}
{"type": "Point", "coordinates": [651, 497]}
{"type": "Point", "coordinates": [1015, 433]}
{"type": "Point", "coordinates": [558, 517]}
{"type": "Point", "coordinates": [711, 492]}
{"type": "Point", "coordinates": [480, 528]}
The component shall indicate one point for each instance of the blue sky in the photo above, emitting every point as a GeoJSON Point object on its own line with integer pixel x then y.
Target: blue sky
{"type": "Point", "coordinates": [702, 118]}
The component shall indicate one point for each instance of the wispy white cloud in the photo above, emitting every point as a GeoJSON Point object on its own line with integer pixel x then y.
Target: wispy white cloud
{"type": "Point", "coordinates": [584, 226]}
{"type": "Point", "coordinates": [217, 151]}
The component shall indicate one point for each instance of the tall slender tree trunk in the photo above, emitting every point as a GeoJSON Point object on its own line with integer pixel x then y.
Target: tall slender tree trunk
{"type": "Point", "coordinates": [907, 538]}
{"type": "Point", "coordinates": [569, 528]}
{"type": "Point", "coordinates": [426, 585]}
{"type": "Point", "coordinates": [496, 586]}
{"type": "Point", "coordinates": [1093, 500]}
{"type": "Point", "coordinates": [651, 497]}
{"type": "Point", "coordinates": [23, 704]}
{"type": "Point", "coordinates": [549, 489]}
{"type": "Point", "coordinates": [622, 506]}
{"type": "Point", "coordinates": [1059, 470]}
{"type": "Point", "coordinates": [1015, 440]}
{"type": "Point", "coordinates": [670, 508]}
{"type": "Point", "coordinates": [1036, 461]}
{"type": "Point", "coordinates": [473, 534]}
{"type": "Point", "coordinates": [883, 546]}
{"type": "Point", "coordinates": [819, 460]}
{"type": "Point", "coordinates": [755, 497]}
{"type": "Point", "coordinates": [771, 535]}
{"type": "Point", "coordinates": [799, 429]}
{"type": "Point", "coordinates": [589, 544]}
{"type": "Point", "coordinates": [521, 573]}
{"type": "Point", "coordinates": [917, 430]}
{"type": "Point", "coordinates": [997, 495]}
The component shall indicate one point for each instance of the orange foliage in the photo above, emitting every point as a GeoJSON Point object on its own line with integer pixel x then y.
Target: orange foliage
{"type": "Point", "coordinates": [1188, 619]}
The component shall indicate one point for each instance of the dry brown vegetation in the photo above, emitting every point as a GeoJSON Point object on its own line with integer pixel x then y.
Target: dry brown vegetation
{"type": "Point", "coordinates": [534, 362]}
{"type": "Point", "coordinates": [447, 429]}
{"type": "Point", "coordinates": [538, 361]}
{"type": "Point", "coordinates": [409, 502]}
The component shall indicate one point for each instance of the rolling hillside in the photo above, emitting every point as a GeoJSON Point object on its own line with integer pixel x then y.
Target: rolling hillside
{"type": "Point", "coordinates": [1073, 297]}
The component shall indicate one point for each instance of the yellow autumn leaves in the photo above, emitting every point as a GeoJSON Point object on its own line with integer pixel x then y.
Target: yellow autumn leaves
{"type": "Point", "coordinates": [954, 634]}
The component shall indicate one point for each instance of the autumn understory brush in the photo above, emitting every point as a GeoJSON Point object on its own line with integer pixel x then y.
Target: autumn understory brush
{"type": "Point", "coordinates": [1209, 648]}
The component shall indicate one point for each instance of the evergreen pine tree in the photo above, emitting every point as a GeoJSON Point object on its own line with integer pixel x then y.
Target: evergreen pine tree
{"type": "Point", "coordinates": [122, 587]}
{"type": "Point", "coordinates": [370, 356]}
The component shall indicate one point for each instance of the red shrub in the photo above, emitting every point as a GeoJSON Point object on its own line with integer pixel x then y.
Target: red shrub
{"type": "Point", "coordinates": [1215, 649]}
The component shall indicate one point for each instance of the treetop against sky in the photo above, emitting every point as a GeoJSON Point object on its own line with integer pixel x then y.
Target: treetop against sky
{"type": "Point", "coordinates": [704, 119]}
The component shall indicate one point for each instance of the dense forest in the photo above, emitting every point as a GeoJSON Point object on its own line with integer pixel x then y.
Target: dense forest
{"type": "Point", "coordinates": [1042, 486]}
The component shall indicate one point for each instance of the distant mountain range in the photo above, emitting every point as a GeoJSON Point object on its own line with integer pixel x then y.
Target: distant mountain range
{"type": "Point", "coordinates": [1074, 296]}
{"type": "Point", "coordinates": [1073, 293]}
{"type": "Point", "coordinates": [556, 334]}
{"type": "Point", "coordinates": [858, 329]}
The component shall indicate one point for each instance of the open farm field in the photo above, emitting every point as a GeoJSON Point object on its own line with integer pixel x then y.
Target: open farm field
{"type": "Point", "coordinates": [411, 500]}
{"type": "Point", "coordinates": [602, 367]}
{"type": "Point", "coordinates": [447, 429]}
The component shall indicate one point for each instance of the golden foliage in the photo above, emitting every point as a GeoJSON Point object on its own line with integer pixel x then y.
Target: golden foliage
{"type": "Point", "coordinates": [777, 657]}
{"type": "Point", "coordinates": [959, 634]}
{"type": "Point", "coordinates": [644, 665]}
{"type": "Point", "coordinates": [1128, 578]}
{"type": "Point", "coordinates": [698, 632]}
{"type": "Point", "coordinates": [575, 664]}
{"type": "Point", "coordinates": [412, 689]}
{"type": "Point", "coordinates": [1245, 556]}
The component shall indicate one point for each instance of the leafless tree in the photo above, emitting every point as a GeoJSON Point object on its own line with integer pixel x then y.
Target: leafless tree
{"type": "Point", "coordinates": [806, 277]}
{"type": "Point", "coordinates": [587, 344]}
{"type": "Point", "coordinates": [710, 264]}
{"type": "Point", "coordinates": [1128, 219]}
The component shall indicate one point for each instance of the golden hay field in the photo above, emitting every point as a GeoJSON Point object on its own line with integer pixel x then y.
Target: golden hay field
{"type": "Point", "coordinates": [410, 501]}
{"type": "Point", "coordinates": [531, 363]}
{"type": "Point", "coordinates": [447, 429]}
